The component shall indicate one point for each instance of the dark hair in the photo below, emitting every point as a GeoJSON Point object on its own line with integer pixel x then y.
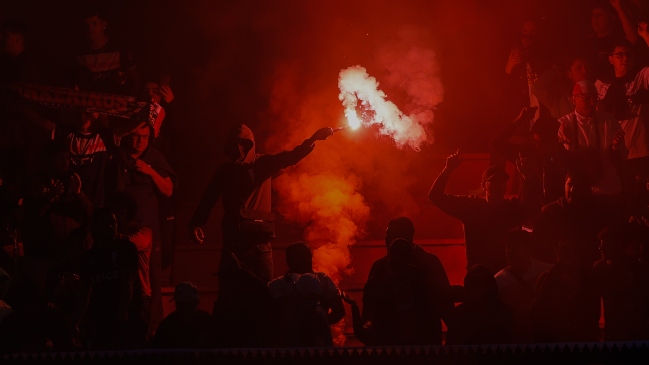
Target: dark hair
{"type": "Point", "coordinates": [569, 57]}
{"type": "Point", "coordinates": [478, 276]}
{"type": "Point", "coordinates": [92, 8]}
{"type": "Point", "coordinates": [604, 5]}
{"type": "Point", "coordinates": [402, 227]}
{"type": "Point", "coordinates": [400, 250]}
{"type": "Point", "coordinates": [622, 42]}
{"type": "Point", "coordinates": [298, 255]}
{"type": "Point", "coordinates": [518, 238]}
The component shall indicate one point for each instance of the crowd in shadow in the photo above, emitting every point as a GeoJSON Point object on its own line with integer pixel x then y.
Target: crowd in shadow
{"type": "Point", "coordinates": [87, 197]}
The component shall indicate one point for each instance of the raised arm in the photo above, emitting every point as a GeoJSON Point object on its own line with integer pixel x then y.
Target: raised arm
{"type": "Point", "coordinates": [269, 165]}
{"type": "Point", "coordinates": [449, 204]}
{"type": "Point", "coordinates": [630, 30]}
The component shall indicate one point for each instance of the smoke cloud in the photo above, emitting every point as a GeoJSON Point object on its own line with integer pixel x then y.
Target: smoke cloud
{"type": "Point", "coordinates": [412, 70]}
{"type": "Point", "coordinates": [356, 179]}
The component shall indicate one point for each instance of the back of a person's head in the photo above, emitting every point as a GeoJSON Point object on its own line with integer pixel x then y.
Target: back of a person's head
{"type": "Point", "coordinates": [309, 286]}
{"type": "Point", "coordinates": [186, 296]}
{"type": "Point", "coordinates": [401, 227]}
{"type": "Point", "coordinates": [400, 255]}
{"type": "Point", "coordinates": [519, 245]}
{"type": "Point", "coordinates": [299, 257]}
{"type": "Point", "coordinates": [479, 283]}
{"type": "Point", "coordinates": [516, 239]}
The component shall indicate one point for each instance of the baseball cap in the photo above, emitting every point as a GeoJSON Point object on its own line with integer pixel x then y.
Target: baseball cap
{"type": "Point", "coordinates": [185, 292]}
{"type": "Point", "coordinates": [493, 172]}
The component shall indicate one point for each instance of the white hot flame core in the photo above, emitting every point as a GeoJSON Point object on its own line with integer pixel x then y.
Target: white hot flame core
{"type": "Point", "coordinates": [356, 85]}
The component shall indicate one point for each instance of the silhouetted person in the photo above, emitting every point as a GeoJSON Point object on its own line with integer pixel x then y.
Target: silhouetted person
{"type": "Point", "coordinates": [579, 216]}
{"type": "Point", "coordinates": [102, 62]}
{"type": "Point", "coordinates": [517, 281]}
{"type": "Point", "coordinates": [286, 296]}
{"type": "Point", "coordinates": [485, 221]}
{"type": "Point", "coordinates": [129, 228]}
{"type": "Point", "coordinates": [307, 325]}
{"type": "Point", "coordinates": [110, 270]}
{"type": "Point", "coordinates": [537, 158]}
{"type": "Point", "coordinates": [188, 326]}
{"type": "Point", "coordinates": [553, 88]}
{"type": "Point", "coordinates": [482, 318]}
{"type": "Point", "coordinates": [34, 325]}
{"type": "Point", "coordinates": [55, 211]}
{"type": "Point", "coordinates": [623, 283]}
{"type": "Point", "coordinates": [145, 175]}
{"type": "Point", "coordinates": [407, 293]}
{"type": "Point", "coordinates": [567, 307]}
{"type": "Point", "coordinates": [244, 187]}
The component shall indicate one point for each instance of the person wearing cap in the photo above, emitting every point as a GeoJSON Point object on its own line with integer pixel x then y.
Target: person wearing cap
{"type": "Point", "coordinates": [485, 220]}
{"type": "Point", "coordinates": [594, 141]}
{"type": "Point", "coordinates": [186, 327]}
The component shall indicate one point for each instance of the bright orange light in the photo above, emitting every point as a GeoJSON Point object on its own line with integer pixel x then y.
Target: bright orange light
{"type": "Point", "coordinates": [352, 119]}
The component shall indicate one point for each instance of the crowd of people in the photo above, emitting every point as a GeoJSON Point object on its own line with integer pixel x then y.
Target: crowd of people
{"type": "Point", "coordinates": [87, 197]}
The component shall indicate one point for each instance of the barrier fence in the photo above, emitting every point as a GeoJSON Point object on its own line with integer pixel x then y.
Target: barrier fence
{"type": "Point", "coordinates": [552, 353]}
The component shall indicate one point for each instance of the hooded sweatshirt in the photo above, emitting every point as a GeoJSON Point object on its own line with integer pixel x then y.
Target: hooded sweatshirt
{"type": "Point", "coordinates": [244, 183]}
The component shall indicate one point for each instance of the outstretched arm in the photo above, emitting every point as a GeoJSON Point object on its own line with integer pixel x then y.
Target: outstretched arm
{"type": "Point", "coordinates": [268, 165]}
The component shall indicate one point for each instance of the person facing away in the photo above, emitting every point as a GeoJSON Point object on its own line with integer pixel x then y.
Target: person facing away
{"type": "Point", "coordinates": [285, 293]}
{"type": "Point", "coordinates": [622, 280]}
{"type": "Point", "coordinates": [485, 220]}
{"type": "Point", "coordinates": [110, 271]}
{"type": "Point", "coordinates": [244, 186]}
{"type": "Point", "coordinates": [124, 208]}
{"type": "Point", "coordinates": [187, 326]}
{"type": "Point", "coordinates": [566, 307]}
{"type": "Point", "coordinates": [482, 318]}
{"type": "Point", "coordinates": [517, 281]}
{"type": "Point", "coordinates": [407, 293]}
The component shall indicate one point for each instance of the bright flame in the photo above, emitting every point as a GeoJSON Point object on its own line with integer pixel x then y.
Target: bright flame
{"type": "Point", "coordinates": [352, 118]}
{"type": "Point", "coordinates": [356, 85]}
